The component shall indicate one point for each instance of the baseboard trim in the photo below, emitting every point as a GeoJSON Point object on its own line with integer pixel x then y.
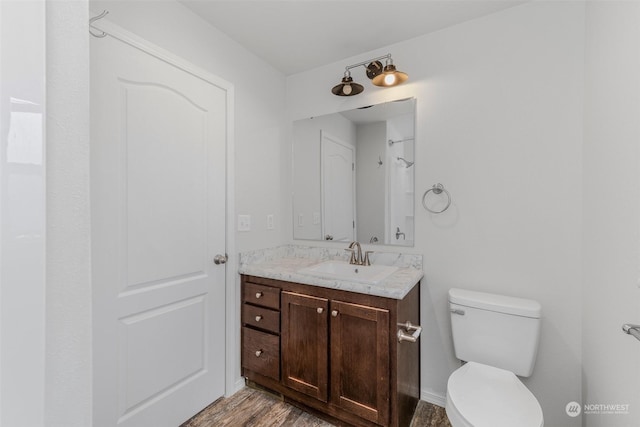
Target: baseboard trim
{"type": "Point", "coordinates": [237, 386]}
{"type": "Point", "coordinates": [433, 398]}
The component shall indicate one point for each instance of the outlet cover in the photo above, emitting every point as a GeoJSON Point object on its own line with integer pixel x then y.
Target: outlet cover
{"type": "Point", "coordinates": [244, 222]}
{"type": "Point", "coordinates": [270, 222]}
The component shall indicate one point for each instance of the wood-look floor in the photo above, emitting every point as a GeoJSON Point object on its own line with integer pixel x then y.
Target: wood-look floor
{"type": "Point", "coordinates": [254, 408]}
{"type": "Point", "coordinates": [428, 415]}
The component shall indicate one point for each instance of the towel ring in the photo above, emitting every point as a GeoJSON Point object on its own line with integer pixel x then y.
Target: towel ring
{"type": "Point", "coordinates": [437, 189]}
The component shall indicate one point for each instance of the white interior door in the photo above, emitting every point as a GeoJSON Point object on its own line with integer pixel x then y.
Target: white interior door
{"type": "Point", "coordinates": [158, 219]}
{"type": "Point", "coordinates": [338, 194]}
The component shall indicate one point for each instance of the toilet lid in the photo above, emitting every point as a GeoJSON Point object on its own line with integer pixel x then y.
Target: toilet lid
{"type": "Point", "coordinates": [491, 397]}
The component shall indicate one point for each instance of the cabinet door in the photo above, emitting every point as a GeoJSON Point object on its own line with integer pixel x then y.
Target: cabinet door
{"type": "Point", "coordinates": [304, 344]}
{"type": "Point", "coordinates": [360, 360]}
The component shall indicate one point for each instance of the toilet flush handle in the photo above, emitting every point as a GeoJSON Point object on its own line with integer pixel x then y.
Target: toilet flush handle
{"type": "Point", "coordinates": [457, 311]}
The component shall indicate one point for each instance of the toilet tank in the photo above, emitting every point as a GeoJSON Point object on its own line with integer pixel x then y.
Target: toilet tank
{"type": "Point", "coordinates": [495, 330]}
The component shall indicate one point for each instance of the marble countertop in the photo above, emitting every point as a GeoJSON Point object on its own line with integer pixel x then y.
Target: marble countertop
{"type": "Point", "coordinates": [284, 262]}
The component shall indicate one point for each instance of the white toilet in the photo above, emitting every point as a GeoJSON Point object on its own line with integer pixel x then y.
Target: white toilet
{"type": "Point", "coordinates": [498, 338]}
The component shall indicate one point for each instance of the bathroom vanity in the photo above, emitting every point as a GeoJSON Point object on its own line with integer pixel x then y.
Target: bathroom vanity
{"type": "Point", "coordinates": [349, 354]}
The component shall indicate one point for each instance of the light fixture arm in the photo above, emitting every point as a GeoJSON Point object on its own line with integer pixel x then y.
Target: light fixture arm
{"type": "Point", "coordinates": [368, 61]}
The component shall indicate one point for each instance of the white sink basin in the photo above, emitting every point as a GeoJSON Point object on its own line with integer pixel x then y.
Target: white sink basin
{"type": "Point", "coordinates": [341, 270]}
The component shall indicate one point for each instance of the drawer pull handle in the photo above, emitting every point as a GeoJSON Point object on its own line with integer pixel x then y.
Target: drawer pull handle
{"type": "Point", "coordinates": [258, 318]}
{"type": "Point", "coordinates": [334, 313]}
{"type": "Point", "coordinates": [320, 310]}
{"type": "Point", "coordinates": [259, 295]}
{"type": "Point", "coordinates": [258, 353]}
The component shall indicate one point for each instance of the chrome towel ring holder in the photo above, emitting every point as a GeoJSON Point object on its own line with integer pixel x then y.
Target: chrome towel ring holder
{"type": "Point", "coordinates": [437, 189]}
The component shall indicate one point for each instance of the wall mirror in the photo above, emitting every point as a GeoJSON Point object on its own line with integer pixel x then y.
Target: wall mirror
{"type": "Point", "coordinates": [353, 175]}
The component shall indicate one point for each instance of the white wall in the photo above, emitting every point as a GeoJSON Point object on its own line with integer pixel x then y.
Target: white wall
{"type": "Point", "coordinates": [68, 317]}
{"type": "Point", "coordinates": [499, 123]}
{"type": "Point", "coordinates": [611, 359]}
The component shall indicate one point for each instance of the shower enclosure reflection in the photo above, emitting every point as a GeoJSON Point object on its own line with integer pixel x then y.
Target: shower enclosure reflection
{"type": "Point", "coordinates": [353, 175]}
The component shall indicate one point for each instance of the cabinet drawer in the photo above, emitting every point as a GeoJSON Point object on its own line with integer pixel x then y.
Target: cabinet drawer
{"type": "Point", "coordinates": [260, 317]}
{"type": "Point", "coordinates": [261, 353]}
{"type": "Point", "coordinates": [265, 296]}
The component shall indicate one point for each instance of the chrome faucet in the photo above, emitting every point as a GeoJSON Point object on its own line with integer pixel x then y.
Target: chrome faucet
{"type": "Point", "coordinates": [399, 233]}
{"type": "Point", "coordinates": [356, 257]}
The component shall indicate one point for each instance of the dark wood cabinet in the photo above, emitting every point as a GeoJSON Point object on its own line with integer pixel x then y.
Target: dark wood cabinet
{"type": "Point", "coordinates": [305, 335]}
{"type": "Point", "coordinates": [360, 360]}
{"type": "Point", "coordinates": [338, 351]}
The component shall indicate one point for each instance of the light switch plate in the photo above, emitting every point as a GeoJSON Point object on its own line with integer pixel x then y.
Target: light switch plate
{"type": "Point", "coordinates": [270, 222]}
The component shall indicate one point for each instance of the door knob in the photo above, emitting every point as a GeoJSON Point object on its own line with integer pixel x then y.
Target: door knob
{"type": "Point", "coordinates": [220, 259]}
{"type": "Point", "coordinates": [334, 313]}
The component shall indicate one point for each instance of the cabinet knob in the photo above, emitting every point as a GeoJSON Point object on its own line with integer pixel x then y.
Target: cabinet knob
{"type": "Point", "coordinates": [258, 294]}
{"type": "Point", "coordinates": [334, 313]}
{"type": "Point", "coordinates": [320, 310]}
{"type": "Point", "coordinates": [258, 318]}
{"type": "Point", "coordinates": [258, 353]}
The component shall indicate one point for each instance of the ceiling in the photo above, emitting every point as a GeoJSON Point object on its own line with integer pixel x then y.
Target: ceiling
{"type": "Point", "coordinates": [299, 35]}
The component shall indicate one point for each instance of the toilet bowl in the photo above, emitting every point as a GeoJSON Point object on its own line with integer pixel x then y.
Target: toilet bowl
{"type": "Point", "coordinates": [483, 396]}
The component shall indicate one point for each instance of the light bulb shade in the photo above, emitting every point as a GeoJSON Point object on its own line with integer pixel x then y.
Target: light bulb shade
{"type": "Point", "coordinates": [390, 77]}
{"type": "Point", "coordinates": [347, 87]}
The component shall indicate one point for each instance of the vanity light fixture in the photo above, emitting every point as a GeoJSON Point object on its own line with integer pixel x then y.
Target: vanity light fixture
{"type": "Point", "coordinates": [384, 77]}
{"type": "Point", "coordinates": [347, 86]}
{"type": "Point", "coordinates": [390, 76]}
